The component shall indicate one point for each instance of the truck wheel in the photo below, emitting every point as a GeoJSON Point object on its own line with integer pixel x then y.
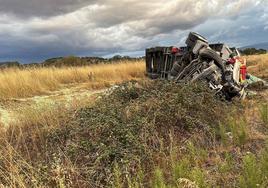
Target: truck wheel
{"type": "Point", "coordinates": [211, 54]}
{"type": "Point", "coordinates": [175, 69]}
{"type": "Point", "coordinates": [193, 37]}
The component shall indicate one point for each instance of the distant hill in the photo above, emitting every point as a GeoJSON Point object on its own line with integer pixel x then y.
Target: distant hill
{"type": "Point", "coordinates": [82, 61]}
{"type": "Point", "coordinates": [70, 61]}
{"type": "Point", "coordinates": [263, 45]}
{"type": "Point", "coordinates": [9, 64]}
{"type": "Point", "coordinates": [73, 61]}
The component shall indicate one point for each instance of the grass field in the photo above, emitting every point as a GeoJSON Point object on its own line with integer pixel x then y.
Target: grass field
{"type": "Point", "coordinates": [144, 134]}
{"type": "Point", "coordinates": [258, 65]}
{"type": "Point", "coordinates": [18, 83]}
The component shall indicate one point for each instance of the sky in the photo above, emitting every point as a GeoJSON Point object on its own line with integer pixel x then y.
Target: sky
{"type": "Point", "coordinates": [34, 30]}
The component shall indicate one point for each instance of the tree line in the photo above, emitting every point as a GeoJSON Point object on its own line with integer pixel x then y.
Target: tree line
{"type": "Point", "coordinates": [253, 51]}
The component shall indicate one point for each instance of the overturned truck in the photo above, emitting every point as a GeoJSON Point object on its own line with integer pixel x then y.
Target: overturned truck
{"type": "Point", "coordinates": [221, 67]}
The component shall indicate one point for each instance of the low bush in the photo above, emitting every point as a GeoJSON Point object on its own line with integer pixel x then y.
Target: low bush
{"type": "Point", "coordinates": [123, 134]}
{"type": "Point", "coordinates": [255, 170]}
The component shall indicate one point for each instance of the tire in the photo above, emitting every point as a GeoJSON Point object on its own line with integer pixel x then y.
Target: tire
{"type": "Point", "coordinates": [175, 69]}
{"type": "Point", "coordinates": [207, 53]}
{"type": "Point", "coordinates": [205, 73]}
{"type": "Point", "coordinates": [193, 37]}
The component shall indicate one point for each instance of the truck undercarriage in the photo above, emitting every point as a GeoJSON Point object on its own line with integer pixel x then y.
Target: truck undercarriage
{"type": "Point", "coordinates": [221, 67]}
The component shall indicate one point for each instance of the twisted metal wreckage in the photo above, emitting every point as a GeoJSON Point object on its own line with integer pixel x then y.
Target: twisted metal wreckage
{"type": "Point", "coordinates": [221, 67]}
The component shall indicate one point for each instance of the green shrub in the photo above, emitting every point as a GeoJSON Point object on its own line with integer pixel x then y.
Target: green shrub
{"type": "Point", "coordinates": [238, 130]}
{"type": "Point", "coordinates": [117, 141]}
{"type": "Point", "coordinates": [228, 164]}
{"type": "Point", "coordinates": [132, 123]}
{"type": "Point", "coordinates": [251, 175]}
{"type": "Point", "coordinates": [233, 132]}
{"type": "Point", "coordinates": [117, 182]}
{"type": "Point", "coordinates": [255, 170]}
{"type": "Point", "coordinates": [223, 134]}
{"type": "Point", "coordinates": [198, 176]}
{"type": "Point", "coordinates": [158, 180]}
{"type": "Point", "coordinates": [196, 154]}
{"type": "Point", "coordinates": [181, 169]}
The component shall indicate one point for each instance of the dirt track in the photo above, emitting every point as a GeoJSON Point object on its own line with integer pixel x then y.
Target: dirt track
{"type": "Point", "coordinates": [9, 108]}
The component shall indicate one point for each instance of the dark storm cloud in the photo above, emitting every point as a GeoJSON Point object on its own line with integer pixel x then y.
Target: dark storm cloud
{"type": "Point", "coordinates": [38, 29]}
{"type": "Point", "coordinates": [153, 17]}
{"type": "Point", "coordinates": [41, 8]}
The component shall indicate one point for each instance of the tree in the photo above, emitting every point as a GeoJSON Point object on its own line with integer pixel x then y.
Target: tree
{"type": "Point", "coordinates": [253, 51]}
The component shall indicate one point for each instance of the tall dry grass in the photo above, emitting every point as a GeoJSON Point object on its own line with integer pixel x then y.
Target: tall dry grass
{"type": "Point", "coordinates": [16, 167]}
{"type": "Point", "coordinates": [16, 83]}
{"type": "Point", "coordinates": [258, 65]}
{"type": "Point", "coordinates": [35, 153]}
{"type": "Point", "coordinates": [20, 146]}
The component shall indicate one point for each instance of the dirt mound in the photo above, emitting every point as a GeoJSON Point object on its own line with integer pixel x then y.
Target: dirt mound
{"type": "Point", "coordinates": [140, 134]}
{"type": "Point", "coordinates": [127, 127]}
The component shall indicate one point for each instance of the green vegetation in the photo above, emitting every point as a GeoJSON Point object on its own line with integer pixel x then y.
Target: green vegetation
{"type": "Point", "coordinates": [140, 134]}
{"type": "Point", "coordinates": [84, 61]}
{"type": "Point", "coordinates": [253, 51]}
{"type": "Point", "coordinates": [9, 64]}
{"type": "Point", "coordinates": [131, 126]}
{"type": "Point", "coordinates": [71, 61]}
{"type": "Point", "coordinates": [255, 170]}
{"type": "Point", "coordinates": [234, 132]}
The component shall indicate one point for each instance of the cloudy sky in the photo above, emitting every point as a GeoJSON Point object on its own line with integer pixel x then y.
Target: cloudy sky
{"type": "Point", "coordinates": [33, 30]}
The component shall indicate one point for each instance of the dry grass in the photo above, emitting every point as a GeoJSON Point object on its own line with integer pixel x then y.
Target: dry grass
{"type": "Point", "coordinates": [17, 83]}
{"type": "Point", "coordinates": [34, 153]}
{"type": "Point", "coordinates": [39, 152]}
{"type": "Point", "coordinates": [24, 144]}
{"type": "Point", "coordinates": [40, 119]}
{"type": "Point", "coordinates": [258, 65]}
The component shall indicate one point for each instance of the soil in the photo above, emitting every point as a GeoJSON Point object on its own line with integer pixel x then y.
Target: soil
{"type": "Point", "coordinates": [10, 107]}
